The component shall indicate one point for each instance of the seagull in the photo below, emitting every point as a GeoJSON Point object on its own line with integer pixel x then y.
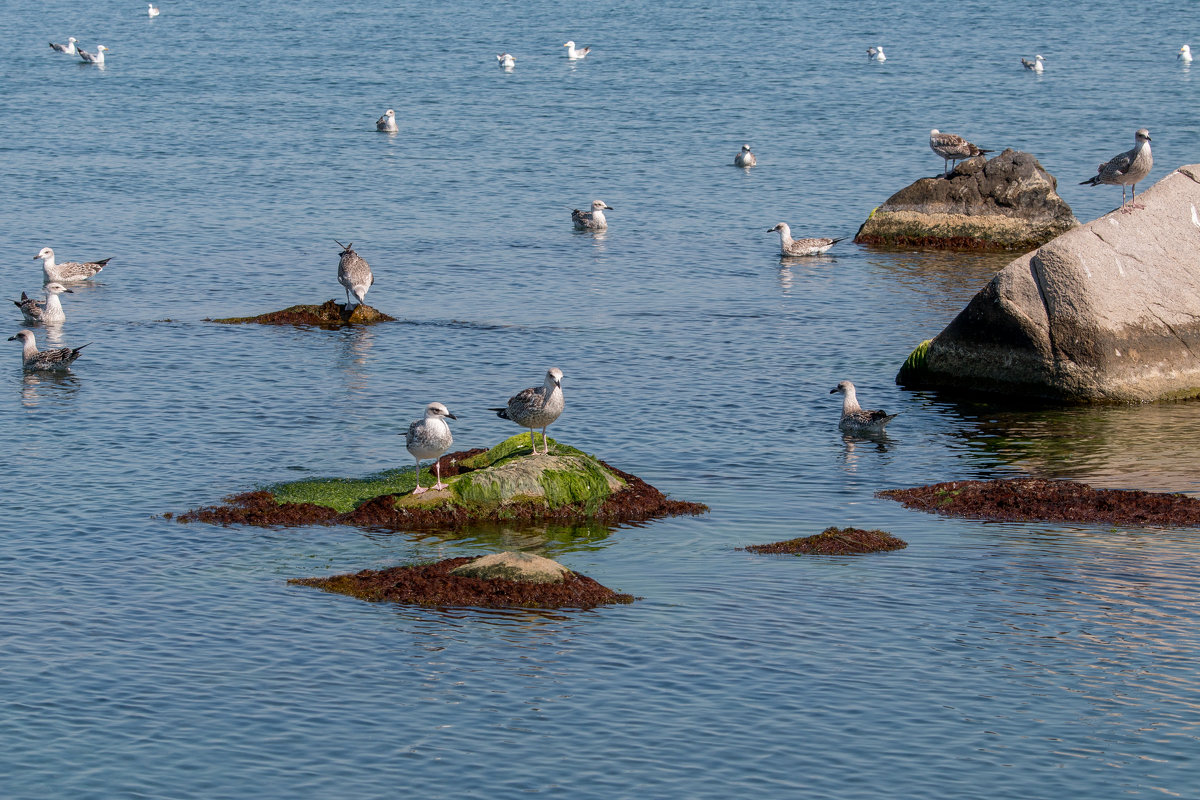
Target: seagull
{"type": "Point", "coordinates": [536, 407]}
{"type": "Point", "coordinates": [576, 55]}
{"type": "Point", "coordinates": [1035, 65]}
{"type": "Point", "coordinates": [591, 220]}
{"type": "Point", "coordinates": [93, 58]}
{"type": "Point", "coordinates": [46, 359]}
{"type": "Point", "coordinates": [429, 438]}
{"type": "Point", "coordinates": [876, 54]}
{"type": "Point", "coordinates": [1185, 53]}
{"type": "Point", "coordinates": [69, 47]}
{"type": "Point", "coordinates": [387, 123]}
{"type": "Point", "coordinates": [854, 418]}
{"type": "Point", "coordinates": [49, 310]}
{"type": "Point", "coordinates": [801, 247]}
{"type": "Point", "coordinates": [952, 147]}
{"type": "Point", "coordinates": [70, 272]}
{"type": "Point", "coordinates": [354, 274]}
{"type": "Point", "coordinates": [745, 158]}
{"type": "Point", "coordinates": [1127, 169]}
{"type": "Point", "coordinates": [153, 10]}
{"type": "Point", "coordinates": [507, 60]}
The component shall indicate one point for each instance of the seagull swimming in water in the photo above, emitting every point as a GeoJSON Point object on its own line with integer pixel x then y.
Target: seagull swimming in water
{"type": "Point", "coordinates": [591, 220]}
{"type": "Point", "coordinates": [576, 55]}
{"type": "Point", "coordinates": [69, 47]}
{"type": "Point", "coordinates": [507, 60]}
{"type": "Point", "coordinates": [68, 272]}
{"type": "Point", "coordinates": [93, 58]}
{"type": "Point", "coordinates": [876, 54]}
{"type": "Point", "coordinates": [153, 10]}
{"type": "Point", "coordinates": [45, 311]}
{"type": "Point", "coordinates": [536, 407]}
{"type": "Point", "coordinates": [745, 158]}
{"type": "Point", "coordinates": [952, 147]}
{"type": "Point", "coordinates": [1035, 65]}
{"type": "Point", "coordinates": [387, 123]}
{"type": "Point", "coordinates": [429, 438]}
{"type": "Point", "coordinates": [854, 418]}
{"type": "Point", "coordinates": [354, 274]}
{"type": "Point", "coordinates": [801, 247]}
{"type": "Point", "coordinates": [31, 359]}
{"type": "Point", "coordinates": [1185, 54]}
{"type": "Point", "coordinates": [1127, 169]}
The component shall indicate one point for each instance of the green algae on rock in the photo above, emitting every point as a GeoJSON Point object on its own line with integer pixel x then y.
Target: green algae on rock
{"type": "Point", "coordinates": [504, 484]}
{"type": "Point", "coordinates": [330, 314]}
{"type": "Point", "coordinates": [834, 541]}
{"type": "Point", "coordinates": [437, 585]}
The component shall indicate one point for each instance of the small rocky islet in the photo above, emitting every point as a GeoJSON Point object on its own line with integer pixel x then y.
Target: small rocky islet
{"type": "Point", "coordinates": [833, 541]}
{"type": "Point", "coordinates": [330, 314]}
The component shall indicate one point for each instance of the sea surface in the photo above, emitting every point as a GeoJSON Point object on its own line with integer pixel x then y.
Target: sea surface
{"type": "Point", "coordinates": [222, 149]}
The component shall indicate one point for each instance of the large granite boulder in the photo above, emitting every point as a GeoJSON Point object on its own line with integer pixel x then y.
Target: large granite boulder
{"type": "Point", "coordinates": [1109, 312]}
{"type": "Point", "coordinates": [1007, 203]}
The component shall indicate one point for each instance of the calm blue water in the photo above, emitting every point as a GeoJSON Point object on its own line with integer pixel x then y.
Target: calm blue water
{"type": "Point", "coordinates": [217, 157]}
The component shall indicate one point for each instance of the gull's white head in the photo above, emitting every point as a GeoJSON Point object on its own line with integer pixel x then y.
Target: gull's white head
{"type": "Point", "coordinates": [782, 227]}
{"type": "Point", "coordinates": [845, 387]}
{"type": "Point", "coordinates": [56, 288]}
{"type": "Point", "coordinates": [43, 254]}
{"type": "Point", "coordinates": [554, 377]}
{"type": "Point", "coordinates": [570, 44]}
{"type": "Point", "coordinates": [102, 47]}
{"type": "Point", "coordinates": [745, 148]}
{"type": "Point", "coordinates": [22, 336]}
{"type": "Point", "coordinates": [391, 112]}
{"type": "Point", "coordinates": [597, 205]}
{"type": "Point", "coordinates": [73, 40]}
{"type": "Point", "coordinates": [1185, 53]}
{"type": "Point", "coordinates": [438, 410]}
{"type": "Point", "coordinates": [934, 132]}
{"type": "Point", "coordinates": [1142, 135]}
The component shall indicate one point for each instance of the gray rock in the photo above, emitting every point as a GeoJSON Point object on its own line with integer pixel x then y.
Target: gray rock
{"type": "Point", "coordinates": [513, 566]}
{"type": "Point", "coordinates": [1007, 203]}
{"type": "Point", "coordinates": [1108, 312]}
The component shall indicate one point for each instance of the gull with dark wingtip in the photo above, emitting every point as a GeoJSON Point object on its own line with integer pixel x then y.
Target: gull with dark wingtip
{"type": "Point", "coordinates": [68, 271]}
{"type": "Point", "coordinates": [48, 311]}
{"type": "Point", "coordinates": [1036, 65]}
{"type": "Point", "coordinates": [93, 58]}
{"type": "Point", "coordinates": [591, 220]}
{"type": "Point", "coordinates": [32, 359]}
{"type": "Point", "coordinates": [1126, 169]}
{"type": "Point", "coordinates": [354, 274]}
{"type": "Point", "coordinates": [536, 407]}
{"type": "Point", "coordinates": [69, 47]}
{"type": "Point", "coordinates": [952, 147]}
{"type": "Point", "coordinates": [429, 437]}
{"type": "Point", "coordinates": [387, 123]}
{"type": "Point", "coordinates": [854, 418]}
{"type": "Point", "coordinates": [801, 247]}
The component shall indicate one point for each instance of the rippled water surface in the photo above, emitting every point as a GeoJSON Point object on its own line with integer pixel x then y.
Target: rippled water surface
{"type": "Point", "coordinates": [225, 146]}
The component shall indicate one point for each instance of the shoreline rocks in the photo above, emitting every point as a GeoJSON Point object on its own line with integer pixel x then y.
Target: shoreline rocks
{"type": "Point", "coordinates": [330, 314]}
{"type": "Point", "coordinates": [1006, 203]}
{"type": "Point", "coordinates": [834, 541]}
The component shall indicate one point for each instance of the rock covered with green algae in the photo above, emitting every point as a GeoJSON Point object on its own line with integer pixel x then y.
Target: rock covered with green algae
{"type": "Point", "coordinates": [506, 483]}
{"type": "Point", "coordinates": [331, 313]}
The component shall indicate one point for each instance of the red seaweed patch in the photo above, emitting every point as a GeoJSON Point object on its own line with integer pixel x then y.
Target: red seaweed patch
{"type": "Point", "coordinates": [331, 313]}
{"type": "Point", "coordinates": [1037, 500]}
{"type": "Point", "coordinates": [834, 542]}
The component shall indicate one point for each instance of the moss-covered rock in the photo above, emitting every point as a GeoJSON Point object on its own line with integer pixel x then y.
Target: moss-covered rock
{"type": "Point", "coordinates": [330, 314]}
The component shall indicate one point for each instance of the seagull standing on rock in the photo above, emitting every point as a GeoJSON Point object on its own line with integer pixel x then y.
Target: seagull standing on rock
{"type": "Point", "coordinates": [429, 438]}
{"type": "Point", "coordinates": [1127, 169]}
{"type": "Point", "coordinates": [854, 418]}
{"type": "Point", "coordinates": [952, 147]}
{"type": "Point", "coordinates": [536, 407]}
{"type": "Point", "coordinates": [354, 274]}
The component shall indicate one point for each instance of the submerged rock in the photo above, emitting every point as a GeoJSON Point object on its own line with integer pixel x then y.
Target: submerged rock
{"type": "Point", "coordinates": [1109, 312]}
{"type": "Point", "coordinates": [331, 313]}
{"type": "Point", "coordinates": [1007, 203]}
{"type": "Point", "coordinates": [834, 541]}
{"type": "Point", "coordinates": [440, 585]}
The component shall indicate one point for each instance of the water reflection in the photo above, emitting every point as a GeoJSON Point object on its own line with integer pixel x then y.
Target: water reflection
{"type": "Point", "coordinates": [354, 348]}
{"type": "Point", "coordinates": [54, 331]}
{"type": "Point", "coordinates": [546, 539]}
{"type": "Point", "coordinates": [53, 387]}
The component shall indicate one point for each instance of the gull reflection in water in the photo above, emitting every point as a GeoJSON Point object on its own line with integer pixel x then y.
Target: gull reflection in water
{"type": "Point", "coordinates": [856, 442]}
{"type": "Point", "coordinates": [356, 345]}
{"type": "Point", "coordinates": [48, 387]}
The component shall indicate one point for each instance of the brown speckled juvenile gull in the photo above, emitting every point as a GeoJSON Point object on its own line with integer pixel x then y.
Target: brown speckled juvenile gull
{"type": "Point", "coordinates": [591, 220]}
{"type": "Point", "coordinates": [801, 247]}
{"type": "Point", "coordinates": [67, 272]}
{"type": "Point", "coordinates": [49, 310]}
{"type": "Point", "coordinates": [1127, 169]}
{"type": "Point", "coordinates": [745, 158]}
{"type": "Point", "coordinates": [46, 359]}
{"type": "Point", "coordinates": [952, 147]}
{"type": "Point", "coordinates": [536, 407]}
{"type": "Point", "coordinates": [854, 418]}
{"type": "Point", "coordinates": [354, 274]}
{"type": "Point", "coordinates": [429, 438]}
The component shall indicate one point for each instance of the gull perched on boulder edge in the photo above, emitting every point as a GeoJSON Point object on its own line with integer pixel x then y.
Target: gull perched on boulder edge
{"type": "Point", "coordinates": [952, 147]}
{"type": "Point", "coordinates": [801, 247]}
{"type": "Point", "coordinates": [536, 407]}
{"type": "Point", "coordinates": [1127, 169]}
{"type": "Point", "coordinates": [31, 359]}
{"type": "Point", "coordinates": [854, 418]}
{"type": "Point", "coordinates": [429, 438]}
{"type": "Point", "coordinates": [354, 274]}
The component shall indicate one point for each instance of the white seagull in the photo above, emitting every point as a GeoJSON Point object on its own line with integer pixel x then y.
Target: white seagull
{"type": "Point", "coordinates": [854, 418]}
{"type": "Point", "coordinates": [536, 407]}
{"type": "Point", "coordinates": [744, 158]}
{"type": "Point", "coordinates": [69, 47]}
{"type": "Point", "coordinates": [1185, 54]}
{"type": "Point", "coordinates": [93, 58]}
{"type": "Point", "coordinates": [49, 310]}
{"type": "Point", "coordinates": [429, 438]}
{"type": "Point", "coordinates": [576, 55]}
{"type": "Point", "coordinates": [1127, 169]}
{"type": "Point", "coordinates": [952, 147]}
{"type": "Point", "coordinates": [591, 220]}
{"type": "Point", "coordinates": [507, 60]}
{"type": "Point", "coordinates": [1035, 65]}
{"type": "Point", "coordinates": [801, 247]}
{"type": "Point", "coordinates": [387, 123]}
{"type": "Point", "coordinates": [153, 10]}
{"type": "Point", "coordinates": [68, 272]}
{"type": "Point", "coordinates": [354, 274]}
{"type": "Point", "coordinates": [46, 359]}
{"type": "Point", "coordinates": [876, 54]}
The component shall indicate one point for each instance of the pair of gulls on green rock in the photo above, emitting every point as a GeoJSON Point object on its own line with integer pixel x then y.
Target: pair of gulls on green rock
{"type": "Point", "coordinates": [535, 407]}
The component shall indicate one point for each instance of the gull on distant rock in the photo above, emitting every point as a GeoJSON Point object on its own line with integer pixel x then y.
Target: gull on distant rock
{"type": "Point", "coordinates": [31, 359]}
{"type": "Point", "coordinates": [153, 10]}
{"type": "Point", "coordinates": [93, 58]}
{"type": "Point", "coordinates": [876, 54]}
{"type": "Point", "coordinates": [952, 147]}
{"type": "Point", "coordinates": [387, 123]}
{"type": "Point", "coordinates": [536, 407]}
{"type": "Point", "coordinates": [576, 55]}
{"type": "Point", "coordinates": [854, 418]}
{"type": "Point", "coordinates": [48, 311]}
{"type": "Point", "coordinates": [591, 220]}
{"type": "Point", "coordinates": [69, 47]}
{"type": "Point", "coordinates": [69, 272]}
{"type": "Point", "coordinates": [1127, 169]}
{"type": "Point", "coordinates": [429, 438]}
{"type": "Point", "coordinates": [744, 158]}
{"type": "Point", "coordinates": [1035, 65]}
{"type": "Point", "coordinates": [801, 247]}
{"type": "Point", "coordinates": [354, 274]}
{"type": "Point", "coordinates": [1185, 53]}
{"type": "Point", "coordinates": [507, 60]}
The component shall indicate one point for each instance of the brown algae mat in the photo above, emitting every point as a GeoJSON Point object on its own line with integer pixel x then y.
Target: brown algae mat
{"type": "Point", "coordinates": [834, 541]}
{"type": "Point", "coordinates": [433, 585]}
{"type": "Point", "coordinates": [331, 313]}
{"type": "Point", "coordinates": [1037, 500]}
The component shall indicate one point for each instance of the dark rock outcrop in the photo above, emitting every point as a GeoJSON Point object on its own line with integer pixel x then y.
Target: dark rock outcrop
{"type": "Point", "coordinates": [1006, 203]}
{"type": "Point", "coordinates": [834, 541]}
{"type": "Point", "coordinates": [330, 314]}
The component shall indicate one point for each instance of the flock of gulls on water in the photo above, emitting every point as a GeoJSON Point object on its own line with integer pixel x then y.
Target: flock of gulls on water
{"type": "Point", "coordinates": [539, 406]}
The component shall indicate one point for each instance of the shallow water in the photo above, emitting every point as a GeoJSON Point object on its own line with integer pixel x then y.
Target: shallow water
{"type": "Point", "coordinates": [218, 155]}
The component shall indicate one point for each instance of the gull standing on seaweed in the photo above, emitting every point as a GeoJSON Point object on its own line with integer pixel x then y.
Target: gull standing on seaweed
{"type": "Point", "coordinates": [1185, 54]}
{"type": "Point", "coordinates": [801, 247]}
{"type": "Point", "coordinates": [93, 58]}
{"type": "Point", "coordinates": [576, 55]}
{"type": "Point", "coordinates": [1035, 65]}
{"type": "Point", "coordinates": [354, 274]}
{"type": "Point", "coordinates": [45, 311]}
{"type": "Point", "coordinates": [854, 418]}
{"type": "Point", "coordinates": [1127, 169]}
{"type": "Point", "coordinates": [387, 123]}
{"type": "Point", "coordinates": [536, 407]}
{"type": "Point", "coordinates": [69, 47]}
{"type": "Point", "coordinates": [60, 358]}
{"type": "Point", "coordinates": [153, 10]}
{"type": "Point", "coordinates": [591, 220]}
{"type": "Point", "coordinates": [952, 147]}
{"type": "Point", "coordinates": [745, 158]}
{"type": "Point", "coordinates": [507, 60]}
{"type": "Point", "coordinates": [876, 54]}
{"type": "Point", "coordinates": [429, 438]}
{"type": "Point", "coordinates": [68, 272]}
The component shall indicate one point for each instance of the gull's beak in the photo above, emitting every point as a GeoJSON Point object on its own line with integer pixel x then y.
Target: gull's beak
{"type": "Point", "coordinates": [451, 416]}
{"type": "Point", "coordinates": [69, 291]}
{"type": "Point", "coordinates": [833, 391]}
{"type": "Point", "coordinates": [12, 338]}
